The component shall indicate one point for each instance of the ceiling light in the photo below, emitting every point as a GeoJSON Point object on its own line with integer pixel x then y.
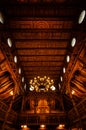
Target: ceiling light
{"type": "Point", "coordinates": [25, 86]}
{"type": "Point", "coordinates": [31, 88]}
{"type": "Point", "coordinates": [45, 77]}
{"type": "Point", "coordinates": [52, 88]}
{"type": "Point", "coordinates": [38, 77]}
{"type": "Point", "coordinates": [41, 83]}
{"type": "Point", "coordinates": [15, 59]}
{"type": "Point", "coordinates": [73, 42]}
{"type": "Point", "coordinates": [68, 58]}
{"type": "Point", "coordinates": [22, 79]}
{"type": "Point", "coordinates": [61, 126]}
{"type": "Point", "coordinates": [23, 126]}
{"type": "Point", "coordinates": [64, 70]}
{"type": "Point", "coordinates": [42, 126]}
{"type": "Point", "coordinates": [61, 78]}
{"type": "Point", "coordinates": [73, 92]}
{"type": "Point", "coordinates": [11, 93]}
{"type": "Point", "coordinates": [81, 17]}
{"type": "Point", "coordinates": [9, 42]}
{"type": "Point", "coordinates": [19, 70]}
{"type": "Point", "coordinates": [1, 18]}
{"type": "Point", "coordinates": [59, 86]}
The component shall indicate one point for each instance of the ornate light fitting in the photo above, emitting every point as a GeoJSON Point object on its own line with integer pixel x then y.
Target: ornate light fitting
{"type": "Point", "coordinates": [41, 84]}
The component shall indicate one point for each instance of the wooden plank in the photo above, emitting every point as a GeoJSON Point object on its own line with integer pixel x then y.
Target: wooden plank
{"type": "Point", "coordinates": [39, 64]}
{"type": "Point", "coordinates": [41, 58]}
{"type": "Point", "coordinates": [40, 23]}
{"type": "Point", "coordinates": [41, 35]}
{"type": "Point", "coordinates": [42, 52]}
{"type": "Point", "coordinates": [41, 44]}
{"type": "Point", "coordinates": [42, 68]}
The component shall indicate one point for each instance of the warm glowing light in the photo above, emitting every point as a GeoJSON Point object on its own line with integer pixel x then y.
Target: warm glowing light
{"type": "Point", "coordinates": [61, 78]}
{"type": "Point", "coordinates": [38, 77]}
{"type": "Point", "coordinates": [9, 42]}
{"type": "Point", "coordinates": [73, 92]}
{"type": "Point", "coordinates": [31, 88]}
{"type": "Point", "coordinates": [52, 88]}
{"type": "Point", "coordinates": [52, 81]}
{"type": "Point", "coordinates": [82, 16]}
{"type": "Point", "coordinates": [73, 42]}
{"type": "Point", "coordinates": [1, 18]}
{"type": "Point", "coordinates": [45, 77]}
{"type": "Point", "coordinates": [19, 70]}
{"type": "Point", "coordinates": [64, 70]}
{"type": "Point", "coordinates": [23, 126]}
{"type": "Point", "coordinates": [59, 86]}
{"type": "Point", "coordinates": [68, 58]}
{"type": "Point", "coordinates": [61, 126]}
{"type": "Point", "coordinates": [15, 59]}
{"type": "Point", "coordinates": [25, 86]}
{"type": "Point", "coordinates": [42, 126]}
{"type": "Point", "coordinates": [22, 79]}
{"type": "Point", "coordinates": [11, 93]}
{"type": "Point", "coordinates": [41, 84]}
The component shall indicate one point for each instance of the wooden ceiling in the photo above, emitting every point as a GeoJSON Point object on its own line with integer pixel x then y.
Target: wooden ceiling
{"type": "Point", "coordinates": [41, 32]}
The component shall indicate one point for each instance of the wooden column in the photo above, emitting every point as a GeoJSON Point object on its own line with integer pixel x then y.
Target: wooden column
{"type": "Point", "coordinates": [62, 103]}
{"type": "Point", "coordinates": [23, 101]}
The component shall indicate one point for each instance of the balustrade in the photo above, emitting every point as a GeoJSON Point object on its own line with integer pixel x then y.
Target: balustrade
{"type": "Point", "coordinates": [45, 118]}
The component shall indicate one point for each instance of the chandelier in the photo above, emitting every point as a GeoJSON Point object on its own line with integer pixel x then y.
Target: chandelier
{"type": "Point", "coordinates": [39, 84]}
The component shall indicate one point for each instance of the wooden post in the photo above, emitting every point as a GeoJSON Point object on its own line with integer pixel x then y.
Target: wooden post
{"type": "Point", "coordinates": [62, 105]}
{"type": "Point", "coordinates": [22, 106]}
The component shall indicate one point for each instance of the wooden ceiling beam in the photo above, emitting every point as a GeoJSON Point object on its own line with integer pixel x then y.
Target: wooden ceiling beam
{"type": "Point", "coordinates": [42, 30]}
{"type": "Point", "coordinates": [36, 39]}
{"type": "Point", "coordinates": [39, 23]}
{"type": "Point", "coordinates": [39, 64]}
{"type": "Point", "coordinates": [61, 3]}
{"type": "Point", "coordinates": [36, 10]}
{"type": "Point", "coordinates": [41, 58]}
{"type": "Point", "coordinates": [41, 35]}
{"type": "Point", "coordinates": [42, 68]}
{"type": "Point", "coordinates": [42, 72]}
{"type": "Point", "coordinates": [42, 52]}
{"type": "Point", "coordinates": [33, 71]}
{"type": "Point", "coordinates": [55, 77]}
{"type": "Point", "coordinates": [41, 44]}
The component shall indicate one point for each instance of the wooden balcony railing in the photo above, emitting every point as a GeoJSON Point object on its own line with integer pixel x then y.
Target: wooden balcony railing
{"type": "Point", "coordinates": [81, 109]}
{"type": "Point", "coordinates": [45, 118]}
{"type": "Point", "coordinates": [12, 116]}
